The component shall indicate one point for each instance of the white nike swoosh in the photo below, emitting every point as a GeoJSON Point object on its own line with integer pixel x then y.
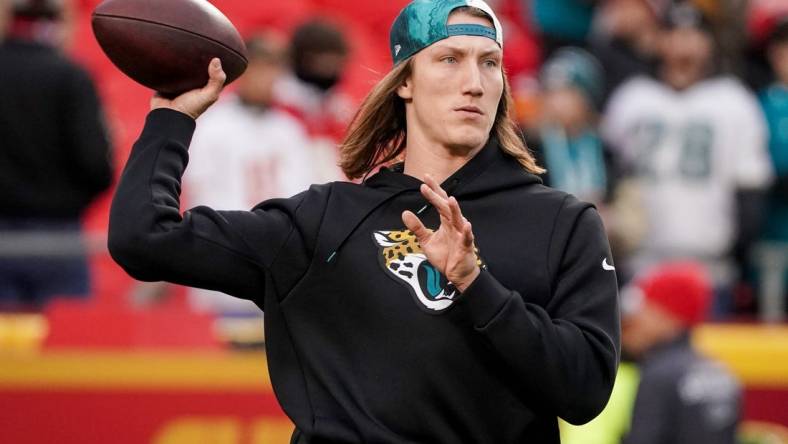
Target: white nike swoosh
{"type": "Point", "coordinates": [606, 266]}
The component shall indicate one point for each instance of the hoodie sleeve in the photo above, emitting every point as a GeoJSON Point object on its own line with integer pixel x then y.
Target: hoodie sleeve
{"type": "Point", "coordinates": [228, 251]}
{"type": "Point", "coordinates": [566, 353]}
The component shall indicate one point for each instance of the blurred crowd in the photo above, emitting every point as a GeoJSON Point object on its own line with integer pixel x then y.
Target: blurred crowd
{"type": "Point", "coordinates": [670, 115]}
{"type": "Point", "coordinates": [645, 110]}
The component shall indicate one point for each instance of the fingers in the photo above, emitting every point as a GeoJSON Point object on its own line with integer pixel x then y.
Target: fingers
{"type": "Point", "coordinates": [216, 74]}
{"type": "Point", "coordinates": [413, 223]}
{"type": "Point", "coordinates": [216, 78]}
{"type": "Point", "coordinates": [432, 183]}
{"type": "Point", "coordinates": [457, 218]}
{"type": "Point", "coordinates": [448, 207]}
{"type": "Point", "coordinates": [435, 195]}
{"type": "Point", "coordinates": [436, 200]}
{"type": "Point", "coordinates": [193, 103]}
{"type": "Point", "coordinates": [467, 234]}
{"type": "Point", "coordinates": [461, 224]}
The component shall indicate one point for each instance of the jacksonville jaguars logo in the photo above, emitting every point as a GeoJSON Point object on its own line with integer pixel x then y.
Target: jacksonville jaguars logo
{"type": "Point", "coordinates": [402, 258]}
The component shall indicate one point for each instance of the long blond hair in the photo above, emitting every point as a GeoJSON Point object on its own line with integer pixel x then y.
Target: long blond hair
{"type": "Point", "coordinates": [378, 132]}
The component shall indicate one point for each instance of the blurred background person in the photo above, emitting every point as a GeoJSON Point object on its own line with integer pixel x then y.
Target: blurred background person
{"type": "Point", "coordinates": [4, 14]}
{"type": "Point", "coordinates": [54, 158]}
{"type": "Point", "coordinates": [774, 100]}
{"type": "Point", "coordinates": [49, 22]}
{"type": "Point", "coordinates": [566, 139]}
{"type": "Point", "coordinates": [245, 150]}
{"type": "Point", "coordinates": [318, 54]}
{"type": "Point", "coordinates": [561, 22]}
{"type": "Point", "coordinates": [613, 423]}
{"type": "Point", "coordinates": [567, 142]}
{"type": "Point", "coordinates": [683, 397]}
{"type": "Point", "coordinates": [625, 39]}
{"type": "Point", "coordinates": [695, 142]}
{"type": "Point", "coordinates": [763, 17]}
{"type": "Point", "coordinates": [264, 148]}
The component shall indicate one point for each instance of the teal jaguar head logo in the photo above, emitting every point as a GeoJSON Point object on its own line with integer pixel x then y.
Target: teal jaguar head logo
{"type": "Point", "coordinates": [401, 258]}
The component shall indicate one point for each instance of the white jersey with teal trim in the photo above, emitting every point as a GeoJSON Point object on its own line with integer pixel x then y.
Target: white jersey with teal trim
{"type": "Point", "coordinates": [690, 151]}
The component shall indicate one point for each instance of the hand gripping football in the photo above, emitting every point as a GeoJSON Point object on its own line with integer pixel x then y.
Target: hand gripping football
{"type": "Point", "coordinates": [167, 45]}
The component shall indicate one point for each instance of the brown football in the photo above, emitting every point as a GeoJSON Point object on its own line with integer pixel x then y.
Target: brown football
{"type": "Point", "coordinates": [167, 45]}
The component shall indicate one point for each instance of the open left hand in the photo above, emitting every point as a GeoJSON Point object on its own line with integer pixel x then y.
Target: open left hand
{"type": "Point", "coordinates": [450, 248]}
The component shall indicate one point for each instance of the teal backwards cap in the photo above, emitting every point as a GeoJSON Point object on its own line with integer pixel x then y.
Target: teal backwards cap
{"type": "Point", "coordinates": [423, 22]}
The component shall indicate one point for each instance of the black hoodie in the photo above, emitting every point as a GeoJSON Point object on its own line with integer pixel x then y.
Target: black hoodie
{"type": "Point", "coordinates": [366, 342]}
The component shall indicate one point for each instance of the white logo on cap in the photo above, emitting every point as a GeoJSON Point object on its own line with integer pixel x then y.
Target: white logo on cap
{"type": "Point", "coordinates": [396, 50]}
